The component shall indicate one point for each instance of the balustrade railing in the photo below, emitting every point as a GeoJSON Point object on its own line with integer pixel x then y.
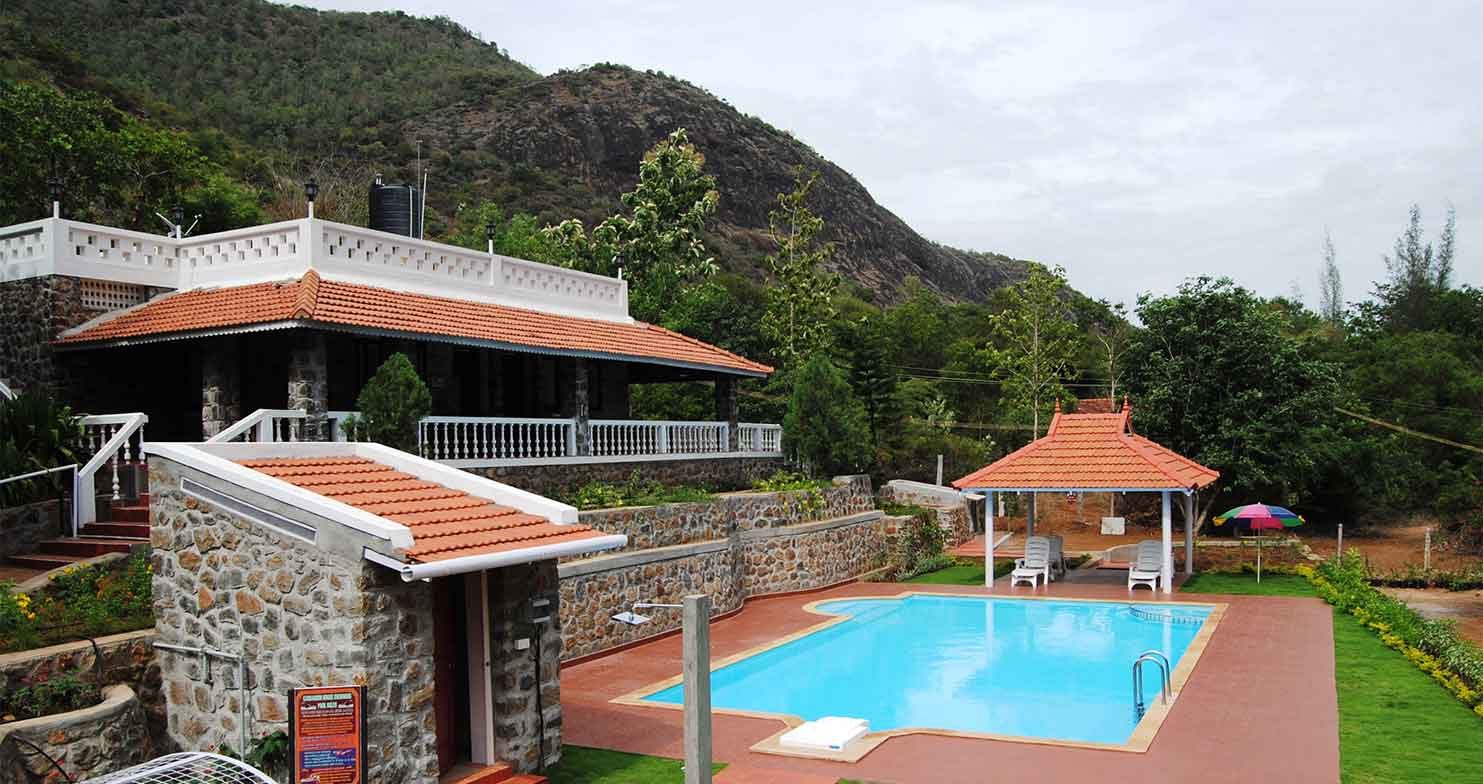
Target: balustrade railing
{"type": "Point", "coordinates": [114, 439]}
{"type": "Point", "coordinates": [265, 425]}
{"type": "Point", "coordinates": [628, 437]}
{"type": "Point", "coordinates": [755, 437]}
{"type": "Point", "coordinates": [495, 438]}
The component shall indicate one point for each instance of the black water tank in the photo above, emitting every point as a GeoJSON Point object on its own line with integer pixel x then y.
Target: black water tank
{"type": "Point", "coordinates": [396, 208]}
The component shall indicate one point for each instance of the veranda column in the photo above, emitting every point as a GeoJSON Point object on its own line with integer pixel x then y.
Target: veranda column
{"type": "Point", "coordinates": [726, 410]}
{"type": "Point", "coordinates": [989, 538]}
{"type": "Point", "coordinates": [221, 388]}
{"type": "Point", "coordinates": [578, 407]}
{"type": "Point", "coordinates": [308, 386]}
{"type": "Point", "coordinates": [1030, 516]}
{"type": "Point", "coordinates": [1189, 534]}
{"type": "Point", "coordinates": [1166, 571]}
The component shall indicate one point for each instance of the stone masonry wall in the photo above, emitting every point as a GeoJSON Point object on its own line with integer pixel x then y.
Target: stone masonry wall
{"type": "Point", "coordinates": [299, 616]}
{"type": "Point", "coordinates": [33, 311]}
{"type": "Point", "coordinates": [742, 545]}
{"type": "Point", "coordinates": [88, 743]}
{"type": "Point", "coordinates": [671, 524]}
{"type": "Point", "coordinates": [23, 527]}
{"type": "Point", "coordinates": [955, 514]}
{"type": "Point", "coordinates": [517, 725]}
{"type": "Point", "coordinates": [719, 472]}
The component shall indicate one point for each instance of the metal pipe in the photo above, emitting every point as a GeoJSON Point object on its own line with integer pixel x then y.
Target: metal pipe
{"type": "Point", "coordinates": [42, 472]}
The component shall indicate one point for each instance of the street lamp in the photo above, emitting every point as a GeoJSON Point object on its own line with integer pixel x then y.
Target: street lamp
{"type": "Point", "coordinates": [177, 218]}
{"type": "Point", "coordinates": [697, 647]}
{"type": "Point", "coordinates": [311, 191]}
{"type": "Point", "coordinates": [489, 231]}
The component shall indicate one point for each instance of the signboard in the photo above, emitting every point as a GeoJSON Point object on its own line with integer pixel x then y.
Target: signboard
{"type": "Point", "coordinates": [327, 731]}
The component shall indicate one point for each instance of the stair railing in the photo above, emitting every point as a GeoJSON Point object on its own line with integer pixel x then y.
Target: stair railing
{"type": "Point", "coordinates": [265, 425]}
{"type": "Point", "coordinates": [114, 436]}
{"type": "Point", "coordinates": [6, 392]}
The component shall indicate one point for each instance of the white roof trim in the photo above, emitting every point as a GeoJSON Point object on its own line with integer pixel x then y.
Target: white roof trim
{"type": "Point", "coordinates": [479, 563]}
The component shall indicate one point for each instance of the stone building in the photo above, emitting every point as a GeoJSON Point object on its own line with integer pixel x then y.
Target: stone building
{"type": "Point", "coordinates": [286, 565]}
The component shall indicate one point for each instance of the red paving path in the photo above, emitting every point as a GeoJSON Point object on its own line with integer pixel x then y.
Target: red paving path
{"type": "Point", "coordinates": [1260, 706]}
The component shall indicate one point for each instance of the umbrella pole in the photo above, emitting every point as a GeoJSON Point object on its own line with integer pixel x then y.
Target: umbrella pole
{"type": "Point", "coordinates": [1258, 557]}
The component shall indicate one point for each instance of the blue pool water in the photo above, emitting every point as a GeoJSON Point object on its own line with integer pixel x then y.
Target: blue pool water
{"type": "Point", "coordinates": [1031, 668]}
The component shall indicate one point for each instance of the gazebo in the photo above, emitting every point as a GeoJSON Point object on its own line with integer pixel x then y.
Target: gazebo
{"type": "Point", "coordinates": [1093, 452]}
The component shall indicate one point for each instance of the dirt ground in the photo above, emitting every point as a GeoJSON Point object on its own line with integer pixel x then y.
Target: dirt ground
{"type": "Point", "coordinates": [1394, 549]}
{"type": "Point", "coordinates": [1465, 607]}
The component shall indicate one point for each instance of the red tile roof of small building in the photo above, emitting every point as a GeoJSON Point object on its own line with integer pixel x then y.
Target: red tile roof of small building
{"type": "Point", "coordinates": [328, 303]}
{"type": "Point", "coordinates": [1090, 452]}
{"type": "Point", "coordinates": [445, 523]}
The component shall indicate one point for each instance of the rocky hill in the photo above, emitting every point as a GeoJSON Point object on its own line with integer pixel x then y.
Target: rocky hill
{"type": "Point", "coordinates": [279, 85]}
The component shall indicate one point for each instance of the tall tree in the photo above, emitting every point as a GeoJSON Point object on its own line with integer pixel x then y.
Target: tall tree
{"type": "Point", "coordinates": [1330, 285]}
{"type": "Point", "coordinates": [1111, 332]}
{"type": "Point", "coordinates": [864, 345]}
{"type": "Point", "coordinates": [1216, 375]}
{"type": "Point", "coordinates": [657, 245]}
{"type": "Point", "coordinates": [825, 425]}
{"type": "Point", "coordinates": [1417, 273]}
{"type": "Point", "coordinates": [1036, 342]}
{"type": "Point", "coordinates": [800, 299]}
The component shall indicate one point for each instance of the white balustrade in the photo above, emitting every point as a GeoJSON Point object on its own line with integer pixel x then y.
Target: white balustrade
{"type": "Point", "coordinates": [756, 437]}
{"type": "Point", "coordinates": [114, 439]}
{"type": "Point", "coordinates": [265, 425]}
{"type": "Point", "coordinates": [495, 438]}
{"type": "Point", "coordinates": [634, 437]}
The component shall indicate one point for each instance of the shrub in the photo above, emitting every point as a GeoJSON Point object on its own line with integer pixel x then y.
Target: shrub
{"type": "Point", "coordinates": [825, 424]}
{"type": "Point", "coordinates": [918, 546]}
{"type": "Point", "coordinates": [1433, 646]}
{"type": "Point", "coordinates": [58, 694]}
{"type": "Point", "coordinates": [79, 602]}
{"type": "Point", "coordinates": [783, 481]}
{"type": "Point", "coordinates": [637, 491]}
{"type": "Point", "coordinates": [35, 432]}
{"type": "Point", "coordinates": [391, 404]}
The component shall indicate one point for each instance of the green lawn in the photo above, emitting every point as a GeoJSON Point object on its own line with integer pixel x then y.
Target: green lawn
{"type": "Point", "coordinates": [582, 765]}
{"type": "Point", "coordinates": [1396, 725]}
{"type": "Point", "coordinates": [963, 573]}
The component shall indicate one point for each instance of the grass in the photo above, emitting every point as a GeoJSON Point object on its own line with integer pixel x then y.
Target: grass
{"type": "Point", "coordinates": [962, 573]}
{"type": "Point", "coordinates": [1395, 724]}
{"type": "Point", "coordinates": [583, 765]}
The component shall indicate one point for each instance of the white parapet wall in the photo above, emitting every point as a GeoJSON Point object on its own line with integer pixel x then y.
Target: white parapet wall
{"type": "Point", "coordinates": [288, 249]}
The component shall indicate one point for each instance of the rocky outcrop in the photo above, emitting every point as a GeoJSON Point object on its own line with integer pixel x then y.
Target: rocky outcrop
{"type": "Point", "coordinates": [590, 129]}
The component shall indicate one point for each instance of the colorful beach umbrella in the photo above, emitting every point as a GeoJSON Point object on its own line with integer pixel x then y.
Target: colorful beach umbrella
{"type": "Point", "coordinates": [1258, 517]}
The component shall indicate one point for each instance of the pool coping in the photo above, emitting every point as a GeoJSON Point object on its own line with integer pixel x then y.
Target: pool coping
{"type": "Point", "coordinates": [1138, 742]}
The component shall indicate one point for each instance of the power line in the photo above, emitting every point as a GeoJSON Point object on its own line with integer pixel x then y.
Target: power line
{"type": "Point", "coordinates": [1425, 406]}
{"type": "Point", "coordinates": [1413, 433]}
{"type": "Point", "coordinates": [988, 382]}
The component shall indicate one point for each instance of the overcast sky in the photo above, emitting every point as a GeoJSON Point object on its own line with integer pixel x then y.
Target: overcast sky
{"type": "Point", "coordinates": [1133, 147]}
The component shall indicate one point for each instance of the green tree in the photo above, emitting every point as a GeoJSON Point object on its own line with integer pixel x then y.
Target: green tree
{"type": "Point", "coordinates": [864, 345]}
{"type": "Point", "coordinates": [1418, 272]}
{"type": "Point", "coordinates": [519, 236]}
{"type": "Point", "coordinates": [1036, 342]}
{"type": "Point", "coordinates": [391, 404]}
{"type": "Point", "coordinates": [825, 425]}
{"type": "Point", "coordinates": [800, 297]}
{"type": "Point", "coordinates": [1330, 285]}
{"type": "Point", "coordinates": [658, 244]}
{"type": "Point", "coordinates": [1216, 377]}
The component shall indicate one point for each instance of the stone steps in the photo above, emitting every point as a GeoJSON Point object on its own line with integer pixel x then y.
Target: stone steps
{"type": "Point", "coordinates": [122, 525]}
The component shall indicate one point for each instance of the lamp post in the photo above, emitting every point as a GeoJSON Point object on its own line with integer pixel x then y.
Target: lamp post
{"type": "Point", "coordinates": [697, 646]}
{"type": "Point", "coordinates": [177, 219]}
{"type": "Point", "coordinates": [311, 191]}
{"type": "Point", "coordinates": [54, 187]}
{"type": "Point", "coordinates": [489, 232]}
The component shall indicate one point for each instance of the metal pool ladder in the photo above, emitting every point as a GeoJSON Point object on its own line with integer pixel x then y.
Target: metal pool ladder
{"type": "Point", "coordinates": [1162, 661]}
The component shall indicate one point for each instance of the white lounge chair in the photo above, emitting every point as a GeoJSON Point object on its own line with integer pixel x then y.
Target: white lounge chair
{"type": "Point", "coordinates": [1147, 566]}
{"type": "Point", "coordinates": [1035, 566]}
{"type": "Point", "coordinates": [1057, 556]}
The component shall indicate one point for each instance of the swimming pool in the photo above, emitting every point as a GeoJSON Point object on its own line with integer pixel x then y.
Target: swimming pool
{"type": "Point", "coordinates": [1031, 668]}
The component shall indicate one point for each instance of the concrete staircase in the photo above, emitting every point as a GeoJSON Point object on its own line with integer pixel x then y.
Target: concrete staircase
{"type": "Point", "coordinates": [121, 526]}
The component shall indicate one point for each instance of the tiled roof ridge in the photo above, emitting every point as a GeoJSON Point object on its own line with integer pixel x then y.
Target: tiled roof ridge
{"type": "Point", "coordinates": [1143, 452]}
{"type": "Point", "coordinates": [308, 299]}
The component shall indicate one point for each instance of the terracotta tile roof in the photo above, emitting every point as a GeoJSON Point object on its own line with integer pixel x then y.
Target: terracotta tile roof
{"type": "Point", "coordinates": [1091, 451]}
{"type": "Point", "coordinates": [1096, 405]}
{"type": "Point", "coordinates": [314, 301]}
{"type": "Point", "coordinates": [445, 523]}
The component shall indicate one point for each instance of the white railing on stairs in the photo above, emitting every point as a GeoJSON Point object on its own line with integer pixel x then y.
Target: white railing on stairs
{"type": "Point", "coordinates": [115, 438]}
{"type": "Point", "coordinates": [6, 392]}
{"type": "Point", "coordinates": [265, 425]}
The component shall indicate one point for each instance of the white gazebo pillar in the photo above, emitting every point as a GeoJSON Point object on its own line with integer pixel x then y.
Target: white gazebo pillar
{"type": "Point", "coordinates": [1030, 516]}
{"type": "Point", "coordinates": [1189, 534]}
{"type": "Point", "coordinates": [1166, 572]}
{"type": "Point", "coordinates": [989, 539]}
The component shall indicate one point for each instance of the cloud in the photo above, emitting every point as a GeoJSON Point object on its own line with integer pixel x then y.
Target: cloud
{"type": "Point", "coordinates": [1133, 146]}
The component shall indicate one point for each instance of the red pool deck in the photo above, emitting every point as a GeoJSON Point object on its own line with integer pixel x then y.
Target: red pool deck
{"type": "Point", "coordinates": [1259, 707]}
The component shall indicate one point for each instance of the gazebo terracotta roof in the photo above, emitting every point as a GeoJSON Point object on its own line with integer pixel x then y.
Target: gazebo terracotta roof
{"type": "Point", "coordinates": [312, 301]}
{"type": "Point", "coordinates": [1084, 451]}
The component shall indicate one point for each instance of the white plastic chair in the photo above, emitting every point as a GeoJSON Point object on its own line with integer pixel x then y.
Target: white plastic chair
{"type": "Point", "coordinates": [1147, 566]}
{"type": "Point", "coordinates": [1035, 566]}
{"type": "Point", "coordinates": [1057, 556]}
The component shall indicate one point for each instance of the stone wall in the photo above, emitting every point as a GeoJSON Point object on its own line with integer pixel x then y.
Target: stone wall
{"type": "Point", "coordinates": [518, 724]}
{"type": "Point", "coordinates": [88, 742]}
{"type": "Point", "coordinates": [955, 513]}
{"type": "Point", "coordinates": [33, 311]}
{"type": "Point", "coordinates": [671, 524]}
{"type": "Point", "coordinates": [298, 616]}
{"type": "Point", "coordinates": [22, 528]}
{"type": "Point", "coordinates": [718, 472]}
{"type": "Point", "coordinates": [739, 546]}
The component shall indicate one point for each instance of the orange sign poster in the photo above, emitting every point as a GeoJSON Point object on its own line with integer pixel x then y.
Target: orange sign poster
{"type": "Point", "coordinates": [327, 725]}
